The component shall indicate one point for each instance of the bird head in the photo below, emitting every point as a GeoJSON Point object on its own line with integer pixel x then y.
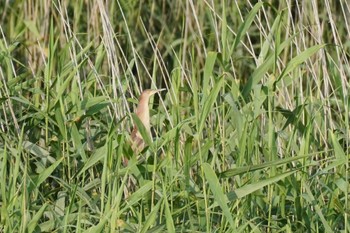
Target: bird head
{"type": "Point", "coordinates": [149, 92]}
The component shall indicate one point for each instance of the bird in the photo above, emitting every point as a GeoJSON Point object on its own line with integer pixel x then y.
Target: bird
{"type": "Point", "coordinates": [142, 112]}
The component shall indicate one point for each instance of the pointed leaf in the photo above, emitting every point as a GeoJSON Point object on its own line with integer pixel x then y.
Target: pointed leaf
{"type": "Point", "coordinates": [208, 71]}
{"type": "Point", "coordinates": [300, 58]}
{"type": "Point", "coordinates": [250, 188]}
{"type": "Point", "coordinates": [144, 133]}
{"type": "Point", "coordinates": [218, 194]}
{"type": "Point", "coordinates": [46, 173]}
{"type": "Point", "coordinates": [246, 24]}
{"type": "Point", "coordinates": [34, 221]}
{"type": "Point", "coordinates": [209, 102]}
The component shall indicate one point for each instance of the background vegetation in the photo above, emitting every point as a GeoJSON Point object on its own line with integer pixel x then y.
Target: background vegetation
{"type": "Point", "coordinates": [252, 134]}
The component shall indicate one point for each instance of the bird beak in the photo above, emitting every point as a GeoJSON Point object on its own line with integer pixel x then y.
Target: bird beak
{"type": "Point", "coordinates": [158, 90]}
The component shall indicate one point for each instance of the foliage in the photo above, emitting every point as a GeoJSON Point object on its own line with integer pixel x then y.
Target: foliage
{"type": "Point", "coordinates": [251, 136]}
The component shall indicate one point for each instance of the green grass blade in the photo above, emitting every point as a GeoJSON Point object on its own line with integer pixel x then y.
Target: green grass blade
{"type": "Point", "coordinates": [246, 24]}
{"type": "Point", "coordinates": [260, 71]}
{"type": "Point", "coordinates": [168, 214]}
{"type": "Point", "coordinates": [138, 195]}
{"type": "Point", "coordinates": [318, 210]}
{"type": "Point", "coordinates": [241, 170]}
{"type": "Point", "coordinates": [37, 150]}
{"type": "Point", "coordinates": [151, 218]}
{"type": "Point", "coordinates": [33, 224]}
{"type": "Point", "coordinates": [208, 71]}
{"type": "Point", "coordinates": [300, 58]}
{"type": "Point", "coordinates": [97, 156]}
{"type": "Point", "coordinates": [209, 102]}
{"type": "Point", "coordinates": [144, 133]}
{"type": "Point", "coordinates": [338, 150]}
{"type": "Point", "coordinates": [219, 196]}
{"type": "Point", "coordinates": [250, 188]}
{"type": "Point", "coordinates": [46, 173]}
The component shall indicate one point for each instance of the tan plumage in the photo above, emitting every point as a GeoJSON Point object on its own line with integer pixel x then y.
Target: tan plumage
{"type": "Point", "coordinates": [142, 112]}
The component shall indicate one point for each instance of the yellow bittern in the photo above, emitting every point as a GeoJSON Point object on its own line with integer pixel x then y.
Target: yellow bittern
{"type": "Point", "coordinates": [142, 112]}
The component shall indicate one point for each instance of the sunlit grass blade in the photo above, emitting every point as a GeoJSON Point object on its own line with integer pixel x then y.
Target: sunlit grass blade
{"type": "Point", "coordinates": [33, 224]}
{"type": "Point", "coordinates": [260, 71]}
{"type": "Point", "coordinates": [37, 151]}
{"type": "Point", "coordinates": [138, 195]}
{"type": "Point", "coordinates": [97, 156]}
{"type": "Point", "coordinates": [151, 218]}
{"type": "Point", "coordinates": [241, 170]}
{"type": "Point", "coordinates": [317, 208]}
{"type": "Point", "coordinates": [219, 196]}
{"type": "Point", "coordinates": [246, 24]}
{"type": "Point", "coordinates": [141, 128]}
{"type": "Point", "coordinates": [300, 58]}
{"type": "Point", "coordinates": [208, 72]}
{"type": "Point", "coordinates": [209, 102]}
{"type": "Point", "coordinates": [46, 173]}
{"type": "Point", "coordinates": [250, 188]}
{"type": "Point", "coordinates": [252, 136]}
{"type": "Point", "coordinates": [168, 214]}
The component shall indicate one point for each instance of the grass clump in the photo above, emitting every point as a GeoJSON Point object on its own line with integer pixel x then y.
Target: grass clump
{"type": "Point", "coordinates": [251, 136]}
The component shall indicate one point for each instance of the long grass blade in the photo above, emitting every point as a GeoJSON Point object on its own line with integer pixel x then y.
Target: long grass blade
{"type": "Point", "coordinates": [218, 194]}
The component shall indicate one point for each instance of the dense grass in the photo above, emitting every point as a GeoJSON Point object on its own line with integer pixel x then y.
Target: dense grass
{"type": "Point", "coordinates": [251, 136]}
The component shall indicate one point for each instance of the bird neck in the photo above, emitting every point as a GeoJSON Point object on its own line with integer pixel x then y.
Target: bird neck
{"type": "Point", "coordinates": [143, 112]}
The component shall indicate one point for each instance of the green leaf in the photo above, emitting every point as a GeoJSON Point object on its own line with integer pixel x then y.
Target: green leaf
{"type": "Point", "coordinates": [208, 71]}
{"type": "Point", "coordinates": [218, 194]}
{"type": "Point", "coordinates": [30, 24]}
{"type": "Point", "coordinates": [250, 188]}
{"type": "Point", "coordinates": [76, 138]}
{"type": "Point", "coordinates": [168, 215]}
{"type": "Point", "coordinates": [204, 149]}
{"type": "Point", "coordinates": [34, 221]}
{"type": "Point", "coordinates": [246, 24]}
{"type": "Point", "coordinates": [60, 122]}
{"type": "Point", "coordinates": [97, 156]}
{"type": "Point", "coordinates": [224, 41]}
{"type": "Point", "coordinates": [35, 150]}
{"type": "Point", "coordinates": [312, 201]}
{"type": "Point", "coordinates": [22, 100]}
{"type": "Point", "coordinates": [267, 43]}
{"type": "Point", "coordinates": [90, 102]}
{"type": "Point", "coordinates": [242, 170]}
{"type": "Point", "coordinates": [187, 163]}
{"type": "Point", "coordinates": [340, 157]}
{"type": "Point", "coordinates": [46, 173]}
{"type": "Point", "coordinates": [297, 60]}
{"type": "Point", "coordinates": [144, 133]}
{"type": "Point", "coordinates": [138, 195]}
{"type": "Point", "coordinates": [209, 102]}
{"type": "Point", "coordinates": [260, 71]}
{"type": "Point", "coordinates": [342, 184]}
{"type": "Point", "coordinates": [151, 218]}
{"type": "Point", "coordinates": [338, 150]}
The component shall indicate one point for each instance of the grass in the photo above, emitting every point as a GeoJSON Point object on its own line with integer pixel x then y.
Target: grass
{"type": "Point", "coordinates": [252, 134]}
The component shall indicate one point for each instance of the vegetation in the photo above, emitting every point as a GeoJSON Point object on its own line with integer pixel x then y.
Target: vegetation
{"type": "Point", "coordinates": [252, 134]}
